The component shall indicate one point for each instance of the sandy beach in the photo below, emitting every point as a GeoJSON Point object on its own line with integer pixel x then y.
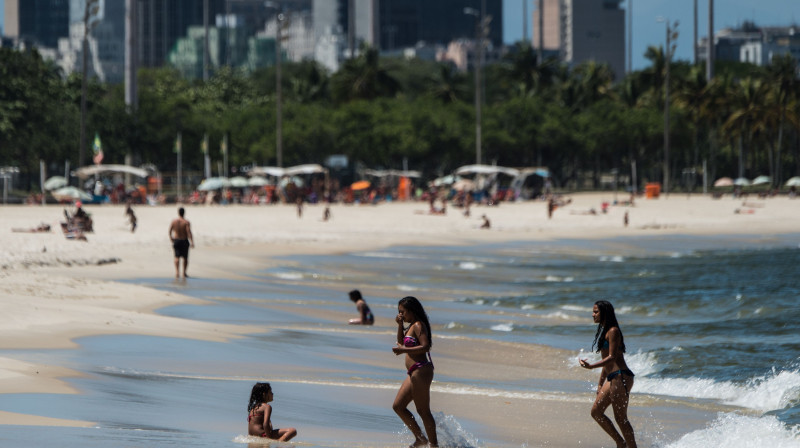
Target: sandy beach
{"type": "Point", "coordinates": [55, 290]}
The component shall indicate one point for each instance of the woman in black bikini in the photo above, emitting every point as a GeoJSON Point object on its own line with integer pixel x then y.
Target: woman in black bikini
{"type": "Point", "coordinates": [416, 343]}
{"type": "Point", "coordinates": [616, 380]}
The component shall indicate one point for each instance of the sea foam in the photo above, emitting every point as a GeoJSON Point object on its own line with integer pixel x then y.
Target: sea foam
{"type": "Point", "coordinates": [738, 431]}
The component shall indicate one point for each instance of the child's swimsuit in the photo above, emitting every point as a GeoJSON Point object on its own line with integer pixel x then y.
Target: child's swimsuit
{"type": "Point", "coordinates": [411, 341]}
{"type": "Point", "coordinates": [257, 414]}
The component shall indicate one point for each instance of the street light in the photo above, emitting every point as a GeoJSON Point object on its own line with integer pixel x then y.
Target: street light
{"type": "Point", "coordinates": [672, 35]}
{"type": "Point", "coordinates": [481, 28]}
{"type": "Point", "coordinates": [89, 12]}
{"type": "Point", "coordinates": [279, 19]}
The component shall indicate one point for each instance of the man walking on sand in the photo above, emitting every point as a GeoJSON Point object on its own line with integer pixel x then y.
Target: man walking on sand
{"type": "Point", "coordinates": [180, 232]}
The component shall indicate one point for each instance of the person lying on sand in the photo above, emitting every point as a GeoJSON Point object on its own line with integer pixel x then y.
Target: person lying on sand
{"type": "Point", "coordinates": [38, 229]}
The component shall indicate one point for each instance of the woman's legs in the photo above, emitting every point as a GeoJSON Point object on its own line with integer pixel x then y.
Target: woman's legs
{"type": "Point", "coordinates": [620, 393]}
{"type": "Point", "coordinates": [400, 406]}
{"type": "Point", "coordinates": [421, 380]}
{"type": "Point", "coordinates": [602, 402]}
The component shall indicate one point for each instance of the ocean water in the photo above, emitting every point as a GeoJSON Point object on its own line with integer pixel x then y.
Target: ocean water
{"type": "Point", "coordinates": [706, 320]}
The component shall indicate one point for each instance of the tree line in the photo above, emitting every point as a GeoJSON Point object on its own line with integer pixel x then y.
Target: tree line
{"type": "Point", "coordinates": [579, 122]}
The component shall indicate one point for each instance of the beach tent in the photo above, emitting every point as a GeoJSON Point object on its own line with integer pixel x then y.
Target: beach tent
{"type": "Point", "coordinates": [266, 171]}
{"type": "Point", "coordinates": [258, 181]}
{"type": "Point", "coordinates": [486, 169]}
{"type": "Point", "coordinates": [741, 182]}
{"type": "Point", "coordinates": [92, 170]}
{"type": "Point", "coordinates": [760, 180]}
{"type": "Point", "coordinates": [70, 193]}
{"type": "Point", "coordinates": [793, 182]}
{"type": "Point", "coordinates": [392, 173]}
{"type": "Point", "coordinates": [723, 182]}
{"type": "Point", "coordinates": [311, 168]}
{"type": "Point", "coordinates": [213, 183]}
{"type": "Point", "coordinates": [445, 180]}
{"type": "Point", "coordinates": [238, 182]}
{"type": "Point", "coordinates": [55, 182]}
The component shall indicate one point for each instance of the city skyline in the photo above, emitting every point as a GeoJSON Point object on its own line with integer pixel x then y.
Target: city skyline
{"type": "Point", "coordinates": [647, 31]}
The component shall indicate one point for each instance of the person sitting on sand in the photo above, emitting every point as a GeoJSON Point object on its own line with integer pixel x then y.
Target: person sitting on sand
{"type": "Point", "coordinates": [363, 310]}
{"type": "Point", "coordinates": [259, 414]}
{"type": "Point", "coordinates": [81, 219]}
{"type": "Point", "coordinates": [486, 223]}
{"type": "Point", "coordinates": [616, 379]}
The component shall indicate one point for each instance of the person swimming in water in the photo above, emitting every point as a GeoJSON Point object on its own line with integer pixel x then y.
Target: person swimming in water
{"type": "Point", "coordinates": [366, 317]}
{"type": "Point", "coordinates": [616, 379]}
{"type": "Point", "coordinates": [259, 414]}
{"type": "Point", "coordinates": [415, 342]}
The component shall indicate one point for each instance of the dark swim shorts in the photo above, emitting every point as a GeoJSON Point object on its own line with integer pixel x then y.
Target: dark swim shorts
{"type": "Point", "coordinates": [181, 248]}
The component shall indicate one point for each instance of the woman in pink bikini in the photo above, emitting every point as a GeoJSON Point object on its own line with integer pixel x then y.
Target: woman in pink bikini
{"type": "Point", "coordinates": [415, 342]}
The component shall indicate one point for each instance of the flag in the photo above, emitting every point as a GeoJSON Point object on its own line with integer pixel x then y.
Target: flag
{"type": "Point", "coordinates": [204, 144]}
{"type": "Point", "coordinates": [97, 147]}
{"type": "Point", "coordinates": [177, 149]}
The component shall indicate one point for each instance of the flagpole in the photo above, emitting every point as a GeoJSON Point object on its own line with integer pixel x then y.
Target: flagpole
{"type": "Point", "coordinates": [225, 154]}
{"type": "Point", "coordinates": [180, 173]}
{"type": "Point", "coordinates": [206, 158]}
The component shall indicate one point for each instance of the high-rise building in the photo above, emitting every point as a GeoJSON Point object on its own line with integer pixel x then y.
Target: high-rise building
{"type": "Point", "coordinates": [584, 30]}
{"type": "Point", "coordinates": [405, 23]}
{"type": "Point", "coordinates": [162, 22]}
{"type": "Point", "coordinates": [37, 22]}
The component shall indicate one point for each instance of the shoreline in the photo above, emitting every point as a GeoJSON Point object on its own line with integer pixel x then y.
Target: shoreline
{"type": "Point", "coordinates": [37, 284]}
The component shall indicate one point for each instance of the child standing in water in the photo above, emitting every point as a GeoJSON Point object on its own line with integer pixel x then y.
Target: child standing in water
{"type": "Point", "coordinates": [259, 412]}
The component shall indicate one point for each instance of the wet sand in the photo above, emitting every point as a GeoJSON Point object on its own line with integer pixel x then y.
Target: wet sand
{"type": "Point", "coordinates": [56, 290]}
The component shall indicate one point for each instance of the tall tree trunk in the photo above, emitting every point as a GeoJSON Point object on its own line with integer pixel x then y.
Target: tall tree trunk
{"type": "Point", "coordinates": [777, 178]}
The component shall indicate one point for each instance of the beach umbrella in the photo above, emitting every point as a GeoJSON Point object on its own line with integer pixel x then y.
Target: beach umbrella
{"type": "Point", "coordinates": [213, 183]}
{"type": "Point", "coordinates": [760, 180]}
{"type": "Point", "coordinates": [446, 180]}
{"type": "Point", "coordinates": [793, 182]}
{"type": "Point", "coordinates": [238, 182]}
{"type": "Point", "coordinates": [55, 182]}
{"type": "Point", "coordinates": [741, 182]}
{"type": "Point", "coordinates": [298, 182]}
{"type": "Point", "coordinates": [69, 193]}
{"type": "Point", "coordinates": [258, 181]}
{"type": "Point", "coordinates": [723, 182]}
{"type": "Point", "coordinates": [464, 184]}
{"type": "Point", "coordinates": [360, 185]}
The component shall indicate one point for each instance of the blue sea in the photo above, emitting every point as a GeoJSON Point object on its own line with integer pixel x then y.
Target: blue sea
{"type": "Point", "coordinates": [712, 322]}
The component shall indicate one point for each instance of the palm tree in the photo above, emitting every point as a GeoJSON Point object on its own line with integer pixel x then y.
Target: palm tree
{"type": "Point", "coordinates": [784, 95]}
{"type": "Point", "coordinates": [449, 86]}
{"type": "Point", "coordinates": [363, 78]}
{"type": "Point", "coordinates": [749, 118]}
{"type": "Point", "coordinates": [691, 97]}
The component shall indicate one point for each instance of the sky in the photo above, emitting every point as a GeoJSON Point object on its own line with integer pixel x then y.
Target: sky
{"type": "Point", "coordinates": [648, 31]}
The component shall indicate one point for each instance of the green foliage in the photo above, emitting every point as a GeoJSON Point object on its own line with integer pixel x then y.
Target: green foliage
{"type": "Point", "coordinates": [579, 122]}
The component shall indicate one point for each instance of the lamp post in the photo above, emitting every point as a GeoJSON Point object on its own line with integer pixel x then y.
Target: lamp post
{"type": "Point", "coordinates": [481, 26]}
{"type": "Point", "coordinates": [89, 12]}
{"type": "Point", "coordinates": [279, 20]}
{"type": "Point", "coordinates": [672, 35]}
